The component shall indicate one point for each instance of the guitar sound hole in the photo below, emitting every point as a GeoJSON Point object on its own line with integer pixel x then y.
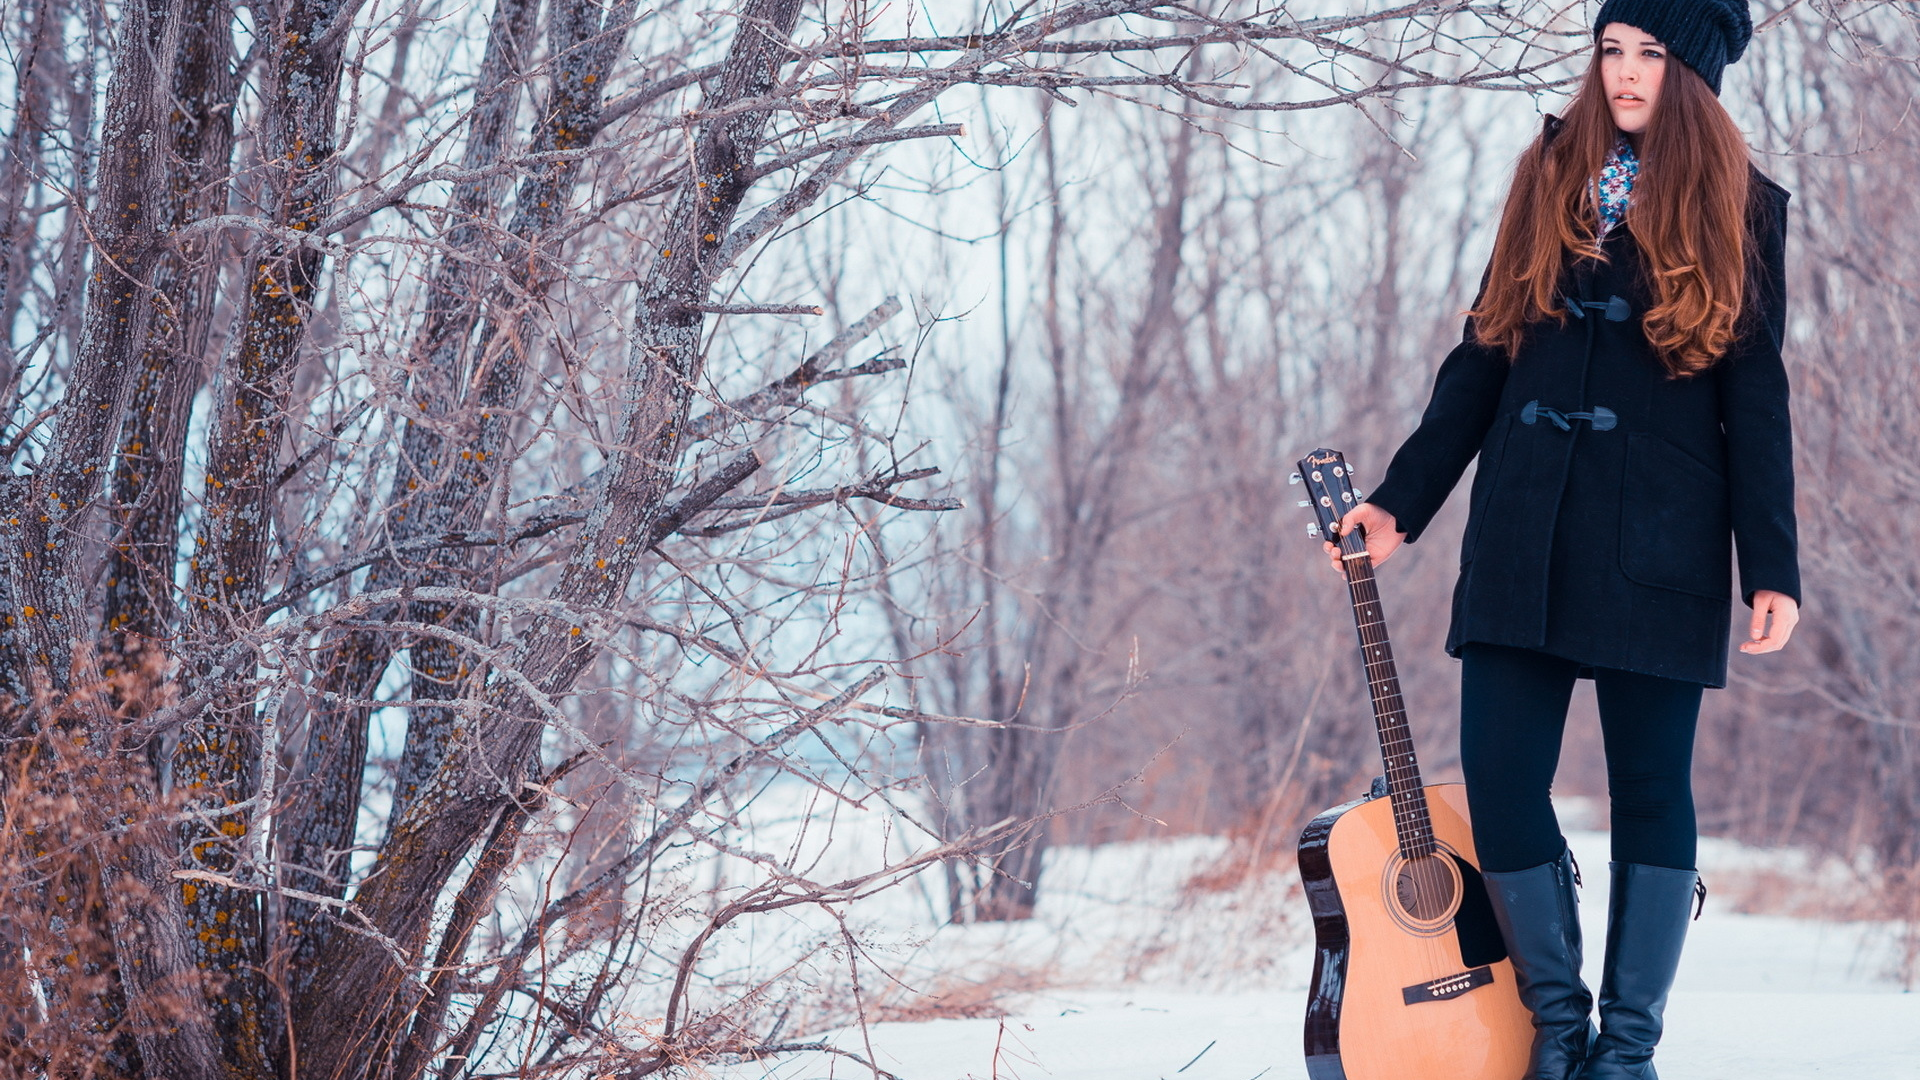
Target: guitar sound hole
{"type": "Point", "coordinates": [1425, 887]}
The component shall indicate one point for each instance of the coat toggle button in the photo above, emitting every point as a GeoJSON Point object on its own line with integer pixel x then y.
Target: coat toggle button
{"type": "Point", "coordinates": [1615, 308]}
{"type": "Point", "coordinates": [1600, 417]}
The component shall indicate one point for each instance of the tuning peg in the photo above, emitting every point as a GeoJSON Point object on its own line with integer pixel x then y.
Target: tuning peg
{"type": "Point", "coordinates": [1293, 478]}
{"type": "Point", "coordinates": [1304, 502]}
{"type": "Point", "coordinates": [1359, 496]}
{"type": "Point", "coordinates": [1313, 530]}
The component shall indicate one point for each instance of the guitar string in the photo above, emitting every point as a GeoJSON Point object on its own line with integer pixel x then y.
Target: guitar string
{"type": "Point", "coordinates": [1405, 789]}
{"type": "Point", "coordinates": [1390, 715]}
{"type": "Point", "coordinates": [1382, 681]}
{"type": "Point", "coordinates": [1391, 718]}
{"type": "Point", "coordinates": [1412, 819]}
{"type": "Point", "coordinates": [1369, 619]}
{"type": "Point", "coordinates": [1413, 826]}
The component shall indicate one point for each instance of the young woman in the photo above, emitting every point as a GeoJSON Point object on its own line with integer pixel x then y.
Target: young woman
{"type": "Point", "coordinates": [1620, 380]}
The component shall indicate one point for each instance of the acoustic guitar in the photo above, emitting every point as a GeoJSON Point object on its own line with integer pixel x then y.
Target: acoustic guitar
{"type": "Point", "coordinates": [1410, 976]}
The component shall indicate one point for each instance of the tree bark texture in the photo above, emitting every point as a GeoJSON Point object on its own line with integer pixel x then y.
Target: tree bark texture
{"type": "Point", "coordinates": [323, 825]}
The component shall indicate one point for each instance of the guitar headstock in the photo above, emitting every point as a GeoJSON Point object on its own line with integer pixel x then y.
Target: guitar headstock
{"type": "Point", "coordinates": [1329, 481]}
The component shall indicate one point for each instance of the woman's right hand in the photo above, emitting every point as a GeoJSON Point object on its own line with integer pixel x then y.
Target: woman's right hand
{"type": "Point", "coordinates": [1382, 532]}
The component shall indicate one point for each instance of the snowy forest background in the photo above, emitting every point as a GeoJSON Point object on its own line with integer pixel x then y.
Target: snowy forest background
{"type": "Point", "coordinates": [573, 538]}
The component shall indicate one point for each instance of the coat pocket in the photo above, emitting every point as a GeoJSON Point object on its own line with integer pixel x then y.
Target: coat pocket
{"type": "Point", "coordinates": [1675, 526]}
{"type": "Point", "coordinates": [1486, 476]}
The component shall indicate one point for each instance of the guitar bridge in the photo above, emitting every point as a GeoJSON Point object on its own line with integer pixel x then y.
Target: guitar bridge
{"type": "Point", "coordinates": [1449, 987]}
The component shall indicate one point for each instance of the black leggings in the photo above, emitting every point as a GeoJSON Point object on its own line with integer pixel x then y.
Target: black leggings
{"type": "Point", "coordinates": [1513, 707]}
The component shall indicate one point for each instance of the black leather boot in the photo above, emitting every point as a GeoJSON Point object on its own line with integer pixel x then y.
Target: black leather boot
{"type": "Point", "coordinates": [1539, 918]}
{"type": "Point", "coordinates": [1646, 924]}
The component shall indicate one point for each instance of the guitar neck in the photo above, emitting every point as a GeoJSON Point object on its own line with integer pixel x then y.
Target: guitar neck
{"type": "Point", "coordinates": [1410, 817]}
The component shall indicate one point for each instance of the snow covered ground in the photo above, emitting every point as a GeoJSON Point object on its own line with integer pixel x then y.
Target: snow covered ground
{"type": "Point", "coordinates": [1127, 973]}
{"type": "Point", "coordinates": [1163, 1035]}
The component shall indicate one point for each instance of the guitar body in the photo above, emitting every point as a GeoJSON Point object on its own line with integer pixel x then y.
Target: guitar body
{"type": "Point", "coordinates": [1410, 980]}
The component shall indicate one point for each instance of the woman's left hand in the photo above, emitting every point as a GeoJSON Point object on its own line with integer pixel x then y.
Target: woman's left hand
{"type": "Point", "coordinates": [1785, 612]}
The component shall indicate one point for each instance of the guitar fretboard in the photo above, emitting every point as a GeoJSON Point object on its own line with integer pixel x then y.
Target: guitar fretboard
{"type": "Point", "coordinates": [1411, 820]}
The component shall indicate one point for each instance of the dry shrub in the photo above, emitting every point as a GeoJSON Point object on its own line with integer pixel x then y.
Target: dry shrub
{"type": "Point", "coordinates": [1262, 843]}
{"type": "Point", "coordinates": [73, 816]}
{"type": "Point", "coordinates": [1793, 892]}
{"type": "Point", "coordinates": [1898, 900]}
{"type": "Point", "coordinates": [1833, 892]}
{"type": "Point", "coordinates": [958, 995]}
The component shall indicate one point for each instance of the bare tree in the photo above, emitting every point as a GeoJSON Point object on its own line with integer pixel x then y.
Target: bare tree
{"type": "Point", "coordinates": [484, 411]}
{"type": "Point", "coordinates": [1148, 567]}
{"type": "Point", "coordinates": [1312, 303]}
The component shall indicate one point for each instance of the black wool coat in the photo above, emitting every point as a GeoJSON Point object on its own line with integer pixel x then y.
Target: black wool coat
{"type": "Point", "coordinates": [1606, 539]}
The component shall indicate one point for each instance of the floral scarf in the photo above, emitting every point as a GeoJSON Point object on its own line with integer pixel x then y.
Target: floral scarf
{"type": "Point", "coordinates": [1614, 186]}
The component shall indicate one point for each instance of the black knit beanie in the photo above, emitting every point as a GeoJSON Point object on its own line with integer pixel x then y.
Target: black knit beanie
{"type": "Point", "coordinates": [1706, 35]}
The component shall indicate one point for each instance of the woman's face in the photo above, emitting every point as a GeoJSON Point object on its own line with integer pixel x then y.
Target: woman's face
{"type": "Point", "coordinates": [1632, 63]}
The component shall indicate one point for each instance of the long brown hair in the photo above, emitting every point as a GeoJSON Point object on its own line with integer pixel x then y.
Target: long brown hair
{"type": "Point", "coordinates": [1688, 214]}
